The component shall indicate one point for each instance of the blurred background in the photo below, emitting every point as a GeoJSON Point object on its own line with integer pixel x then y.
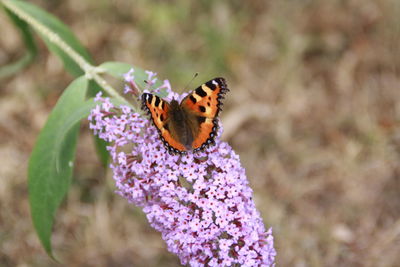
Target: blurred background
{"type": "Point", "coordinates": [313, 112]}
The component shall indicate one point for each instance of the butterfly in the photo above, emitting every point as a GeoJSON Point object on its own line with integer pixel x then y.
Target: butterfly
{"type": "Point", "coordinates": [192, 124]}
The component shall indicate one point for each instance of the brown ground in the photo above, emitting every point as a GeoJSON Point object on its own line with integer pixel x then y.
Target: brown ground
{"type": "Point", "coordinates": [313, 112]}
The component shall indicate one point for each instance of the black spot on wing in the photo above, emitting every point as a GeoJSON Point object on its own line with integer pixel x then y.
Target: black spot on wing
{"type": "Point", "coordinates": [149, 98]}
{"type": "Point", "coordinates": [201, 119]}
{"type": "Point", "coordinates": [166, 127]}
{"type": "Point", "coordinates": [157, 101]}
{"type": "Point", "coordinates": [211, 85]}
{"type": "Point", "coordinates": [163, 105]}
{"type": "Point", "coordinates": [202, 109]}
{"type": "Point", "coordinates": [193, 99]}
{"type": "Point", "coordinates": [201, 92]}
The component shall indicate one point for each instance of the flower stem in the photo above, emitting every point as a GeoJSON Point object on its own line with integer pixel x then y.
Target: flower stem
{"type": "Point", "coordinates": [91, 72]}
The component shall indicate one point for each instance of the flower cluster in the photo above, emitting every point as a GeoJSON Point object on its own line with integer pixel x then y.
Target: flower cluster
{"type": "Point", "coordinates": [200, 202]}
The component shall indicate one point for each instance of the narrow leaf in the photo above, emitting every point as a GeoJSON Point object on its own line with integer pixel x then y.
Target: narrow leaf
{"type": "Point", "coordinates": [73, 118]}
{"type": "Point", "coordinates": [62, 31]}
{"type": "Point", "coordinates": [116, 69]}
{"type": "Point", "coordinates": [29, 41]}
{"type": "Point", "coordinates": [51, 162]}
{"type": "Point", "coordinates": [101, 149]}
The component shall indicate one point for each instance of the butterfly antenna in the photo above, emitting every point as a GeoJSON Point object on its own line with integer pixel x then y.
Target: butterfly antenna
{"type": "Point", "coordinates": [187, 85]}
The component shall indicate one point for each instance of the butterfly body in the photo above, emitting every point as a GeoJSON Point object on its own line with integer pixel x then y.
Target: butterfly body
{"type": "Point", "coordinates": [191, 124]}
{"type": "Point", "coordinates": [182, 124]}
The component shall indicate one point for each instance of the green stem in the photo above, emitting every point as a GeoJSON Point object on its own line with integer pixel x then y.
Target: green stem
{"type": "Point", "coordinates": [91, 71]}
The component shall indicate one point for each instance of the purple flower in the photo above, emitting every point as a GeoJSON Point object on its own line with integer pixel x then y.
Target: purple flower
{"type": "Point", "coordinates": [200, 202]}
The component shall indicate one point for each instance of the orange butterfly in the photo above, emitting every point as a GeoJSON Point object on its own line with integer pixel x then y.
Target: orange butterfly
{"type": "Point", "coordinates": [191, 124]}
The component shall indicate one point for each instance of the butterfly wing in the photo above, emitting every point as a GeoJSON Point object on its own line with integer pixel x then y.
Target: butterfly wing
{"type": "Point", "coordinates": [158, 110]}
{"type": "Point", "coordinates": [204, 105]}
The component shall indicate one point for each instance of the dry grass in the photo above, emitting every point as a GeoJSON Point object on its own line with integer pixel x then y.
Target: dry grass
{"type": "Point", "coordinates": [313, 112]}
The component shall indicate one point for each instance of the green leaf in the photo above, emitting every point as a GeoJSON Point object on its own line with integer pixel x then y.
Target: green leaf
{"type": "Point", "coordinates": [74, 117]}
{"type": "Point", "coordinates": [29, 41]}
{"type": "Point", "coordinates": [51, 162]}
{"type": "Point", "coordinates": [101, 149]}
{"type": "Point", "coordinates": [62, 31]}
{"type": "Point", "coordinates": [118, 69]}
